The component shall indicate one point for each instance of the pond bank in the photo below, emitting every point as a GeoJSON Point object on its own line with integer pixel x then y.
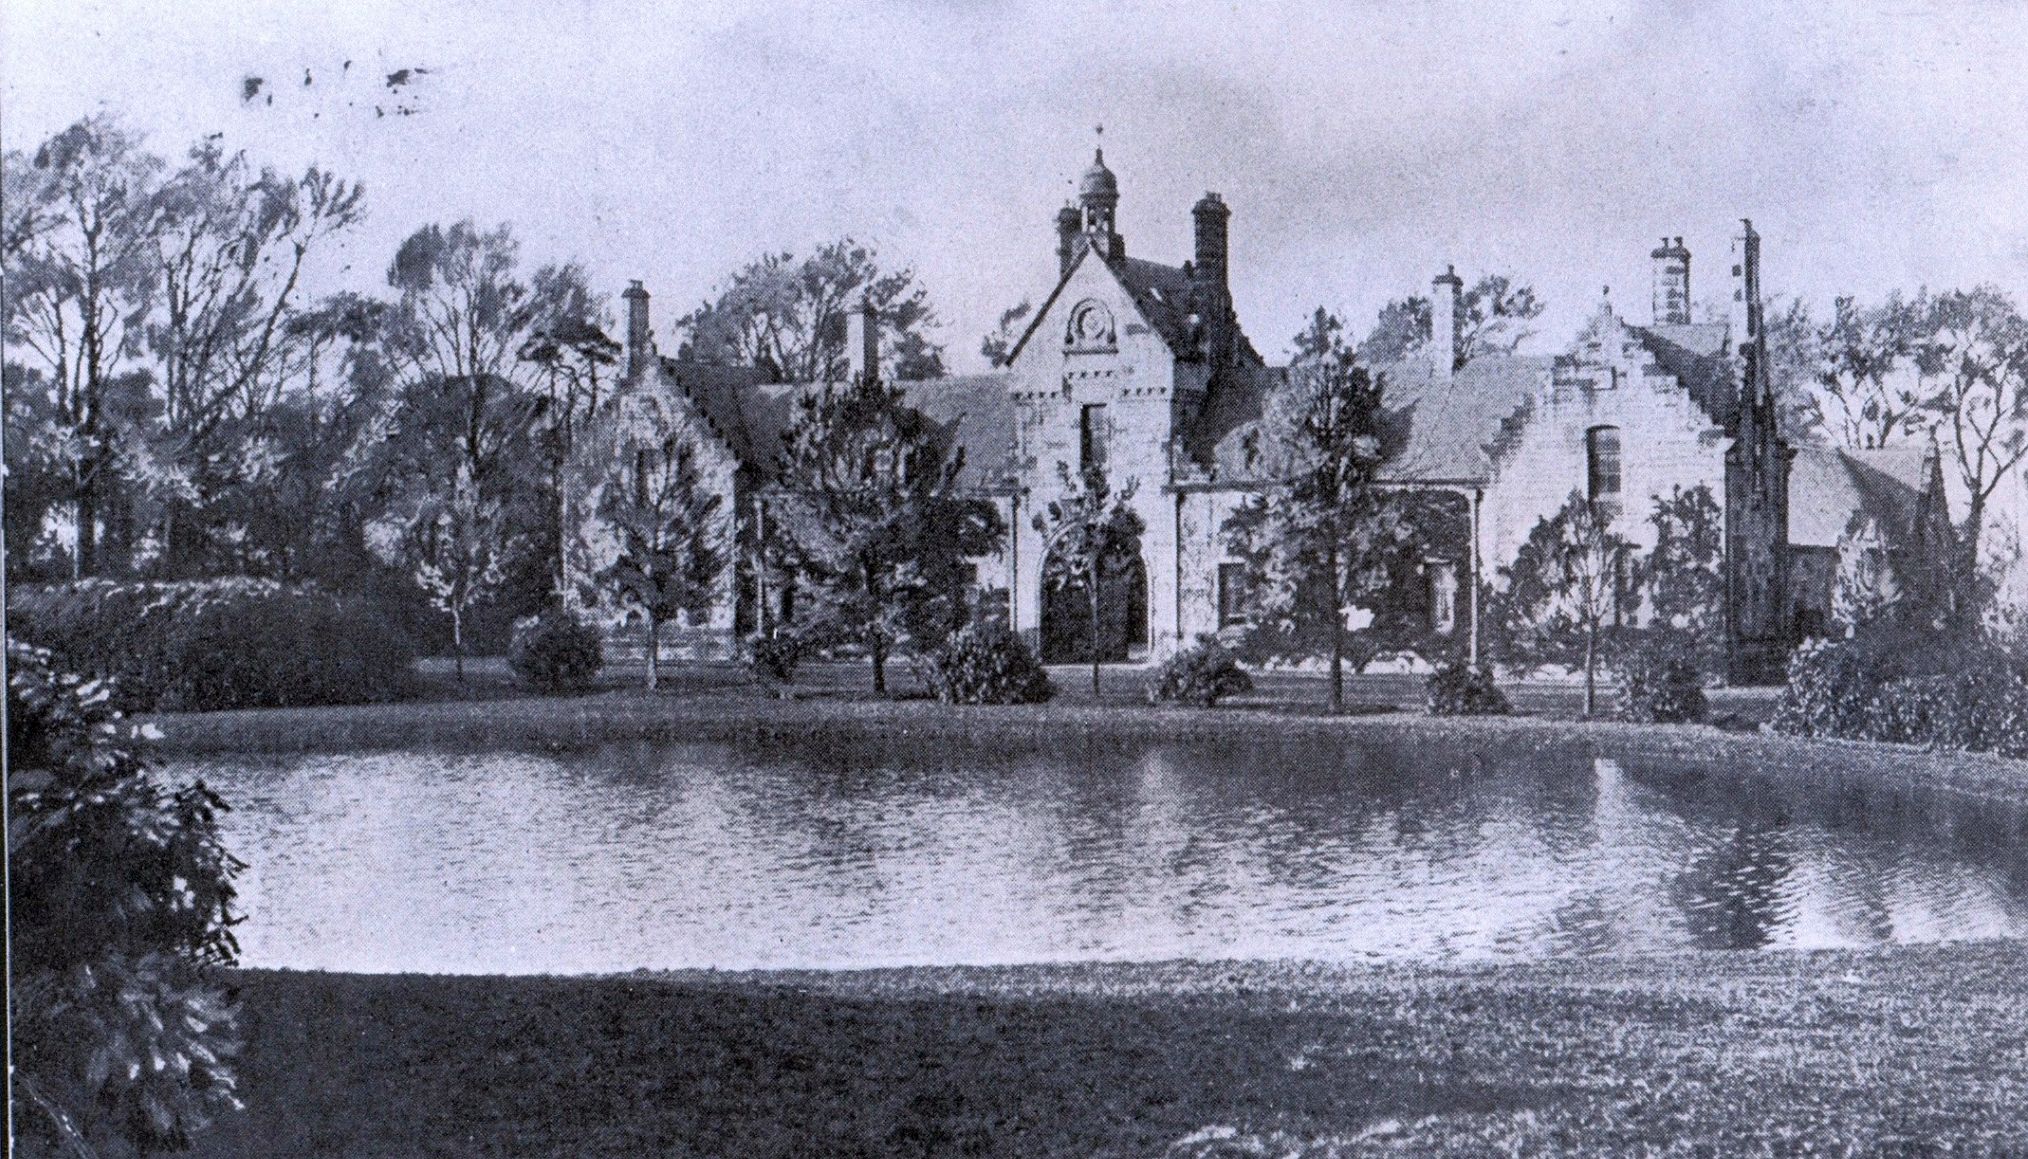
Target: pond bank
{"type": "Point", "coordinates": [1897, 1051]}
{"type": "Point", "coordinates": [742, 716]}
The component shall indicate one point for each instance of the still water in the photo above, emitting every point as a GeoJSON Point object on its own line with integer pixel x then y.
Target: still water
{"type": "Point", "coordinates": [853, 855]}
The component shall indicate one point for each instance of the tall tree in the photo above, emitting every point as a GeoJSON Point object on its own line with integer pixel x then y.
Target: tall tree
{"type": "Point", "coordinates": [81, 275]}
{"type": "Point", "coordinates": [786, 316]}
{"type": "Point", "coordinates": [1682, 577]}
{"type": "Point", "coordinates": [870, 511]}
{"type": "Point", "coordinates": [1973, 358]}
{"type": "Point", "coordinates": [573, 355]}
{"type": "Point", "coordinates": [1319, 537]}
{"type": "Point", "coordinates": [658, 537]}
{"type": "Point", "coordinates": [1568, 591]}
{"type": "Point", "coordinates": [1862, 396]}
{"type": "Point", "coordinates": [1093, 534]}
{"type": "Point", "coordinates": [231, 248]}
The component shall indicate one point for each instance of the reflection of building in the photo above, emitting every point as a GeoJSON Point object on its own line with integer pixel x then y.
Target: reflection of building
{"type": "Point", "coordinates": [1142, 370]}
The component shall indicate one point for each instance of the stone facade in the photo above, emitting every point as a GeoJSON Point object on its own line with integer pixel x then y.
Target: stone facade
{"type": "Point", "coordinates": [1144, 370]}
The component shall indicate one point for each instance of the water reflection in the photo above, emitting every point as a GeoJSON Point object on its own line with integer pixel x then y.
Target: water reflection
{"type": "Point", "coordinates": [897, 853]}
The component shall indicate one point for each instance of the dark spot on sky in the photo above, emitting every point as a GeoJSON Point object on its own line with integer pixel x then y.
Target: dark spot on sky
{"type": "Point", "coordinates": [306, 78]}
{"type": "Point", "coordinates": [249, 88]}
{"type": "Point", "coordinates": [402, 76]}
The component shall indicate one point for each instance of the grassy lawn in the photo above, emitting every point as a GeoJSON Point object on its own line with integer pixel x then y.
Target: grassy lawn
{"type": "Point", "coordinates": [1894, 1052]}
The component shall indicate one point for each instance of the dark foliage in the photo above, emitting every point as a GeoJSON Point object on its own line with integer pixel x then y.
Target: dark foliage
{"type": "Point", "coordinates": [1911, 687]}
{"type": "Point", "coordinates": [1977, 709]}
{"type": "Point", "coordinates": [1203, 674]}
{"type": "Point", "coordinates": [775, 658]}
{"type": "Point", "coordinates": [557, 651]}
{"type": "Point", "coordinates": [1458, 689]}
{"type": "Point", "coordinates": [217, 644]}
{"type": "Point", "coordinates": [987, 664]}
{"type": "Point", "coordinates": [121, 903]}
{"type": "Point", "coordinates": [1659, 684]}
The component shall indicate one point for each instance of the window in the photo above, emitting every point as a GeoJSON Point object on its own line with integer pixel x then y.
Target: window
{"type": "Point", "coordinates": [1602, 463]}
{"type": "Point", "coordinates": [1235, 597]}
{"type": "Point", "coordinates": [1443, 596]}
{"type": "Point", "coordinates": [1091, 437]}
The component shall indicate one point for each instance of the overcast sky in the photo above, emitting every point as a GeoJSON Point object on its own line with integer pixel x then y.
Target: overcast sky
{"type": "Point", "coordinates": [1360, 147]}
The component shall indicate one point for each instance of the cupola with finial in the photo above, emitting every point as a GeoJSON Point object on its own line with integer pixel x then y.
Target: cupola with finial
{"type": "Point", "coordinates": [1099, 194]}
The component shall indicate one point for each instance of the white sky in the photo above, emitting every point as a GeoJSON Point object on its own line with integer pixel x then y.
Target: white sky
{"type": "Point", "coordinates": [1360, 146]}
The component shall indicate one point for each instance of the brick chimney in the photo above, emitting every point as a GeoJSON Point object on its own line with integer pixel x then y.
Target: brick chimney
{"type": "Point", "coordinates": [1671, 283]}
{"type": "Point", "coordinates": [1069, 228]}
{"type": "Point", "coordinates": [862, 342]}
{"type": "Point", "coordinates": [1744, 308]}
{"type": "Point", "coordinates": [640, 340]}
{"type": "Point", "coordinates": [1211, 216]}
{"type": "Point", "coordinates": [1444, 291]}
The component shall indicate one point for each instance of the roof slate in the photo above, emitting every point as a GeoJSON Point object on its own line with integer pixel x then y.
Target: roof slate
{"type": "Point", "coordinates": [1831, 487]}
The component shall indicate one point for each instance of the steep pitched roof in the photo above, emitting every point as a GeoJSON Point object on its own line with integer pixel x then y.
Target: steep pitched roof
{"type": "Point", "coordinates": [1164, 295]}
{"type": "Point", "coordinates": [1831, 489]}
{"type": "Point", "coordinates": [1696, 354]}
{"type": "Point", "coordinates": [1457, 425]}
{"type": "Point", "coordinates": [973, 411]}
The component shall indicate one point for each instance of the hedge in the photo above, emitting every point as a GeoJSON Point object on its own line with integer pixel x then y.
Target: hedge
{"type": "Point", "coordinates": [215, 644]}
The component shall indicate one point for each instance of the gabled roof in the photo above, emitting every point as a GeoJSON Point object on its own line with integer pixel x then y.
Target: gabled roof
{"type": "Point", "coordinates": [1457, 425]}
{"type": "Point", "coordinates": [751, 415]}
{"type": "Point", "coordinates": [1832, 490]}
{"type": "Point", "coordinates": [1165, 296]}
{"type": "Point", "coordinates": [1696, 354]}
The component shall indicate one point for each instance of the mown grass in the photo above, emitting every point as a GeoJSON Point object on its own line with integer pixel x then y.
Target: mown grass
{"type": "Point", "coordinates": [1905, 1051]}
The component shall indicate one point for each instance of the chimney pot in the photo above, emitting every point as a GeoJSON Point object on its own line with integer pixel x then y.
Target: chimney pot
{"type": "Point", "coordinates": [640, 338]}
{"type": "Point", "coordinates": [1445, 290]}
{"type": "Point", "coordinates": [1670, 298]}
{"type": "Point", "coordinates": [862, 342]}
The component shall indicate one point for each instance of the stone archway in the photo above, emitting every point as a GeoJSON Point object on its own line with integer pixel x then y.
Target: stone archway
{"type": "Point", "coordinates": [1123, 617]}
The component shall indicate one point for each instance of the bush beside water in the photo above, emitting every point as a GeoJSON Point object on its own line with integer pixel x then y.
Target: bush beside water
{"type": "Point", "coordinates": [557, 651]}
{"type": "Point", "coordinates": [1202, 674]}
{"type": "Point", "coordinates": [216, 644]}
{"type": "Point", "coordinates": [1458, 689]}
{"type": "Point", "coordinates": [1971, 697]}
{"type": "Point", "coordinates": [1660, 685]}
{"type": "Point", "coordinates": [987, 664]}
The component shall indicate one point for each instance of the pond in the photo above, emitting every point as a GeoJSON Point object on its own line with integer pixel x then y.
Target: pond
{"type": "Point", "coordinates": [876, 854]}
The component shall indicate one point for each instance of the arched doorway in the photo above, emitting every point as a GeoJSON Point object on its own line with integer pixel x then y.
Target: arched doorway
{"type": "Point", "coordinates": [1123, 616]}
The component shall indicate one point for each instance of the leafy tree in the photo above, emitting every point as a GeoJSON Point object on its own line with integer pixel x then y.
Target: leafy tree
{"type": "Point", "coordinates": [1092, 533]}
{"type": "Point", "coordinates": [658, 537]}
{"type": "Point", "coordinates": [1973, 359]}
{"type": "Point", "coordinates": [787, 316]}
{"type": "Point", "coordinates": [1861, 397]}
{"type": "Point", "coordinates": [455, 538]}
{"type": "Point", "coordinates": [81, 278]}
{"type": "Point", "coordinates": [1492, 318]}
{"type": "Point", "coordinates": [995, 347]}
{"type": "Point", "coordinates": [870, 513]}
{"type": "Point", "coordinates": [1682, 578]}
{"type": "Point", "coordinates": [1568, 591]}
{"type": "Point", "coordinates": [572, 353]}
{"type": "Point", "coordinates": [231, 245]}
{"type": "Point", "coordinates": [120, 895]}
{"type": "Point", "coordinates": [1319, 538]}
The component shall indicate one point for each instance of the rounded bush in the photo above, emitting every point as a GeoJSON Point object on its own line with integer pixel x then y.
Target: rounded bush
{"type": "Point", "coordinates": [775, 658]}
{"type": "Point", "coordinates": [557, 651]}
{"type": "Point", "coordinates": [1202, 674]}
{"type": "Point", "coordinates": [1660, 686]}
{"type": "Point", "coordinates": [987, 664]}
{"type": "Point", "coordinates": [1458, 689]}
{"type": "Point", "coordinates": [217, 644]}
{"type": "Point", "coordinates": [1831, 684]}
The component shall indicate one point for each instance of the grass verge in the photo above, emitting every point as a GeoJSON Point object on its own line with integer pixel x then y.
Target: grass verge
{"type": "Point", "coordinates": [1903, 1051]}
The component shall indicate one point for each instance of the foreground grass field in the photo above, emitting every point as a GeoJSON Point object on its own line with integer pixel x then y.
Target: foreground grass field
{"type": "Point", "coordinates": [1900, 1052]}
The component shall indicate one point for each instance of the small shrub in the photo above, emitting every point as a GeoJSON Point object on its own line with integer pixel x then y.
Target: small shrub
{"type": "Point", "coordinates": [1660, 686]}
{"type": "Point", "coordinates": [216, 644]}
{"type": "Point", "coordinates": [1202, 674]}
{"type": "Point", "coordinates": [557, 651]}
{"type": "Point", "coordinates": [987, 664]}
{"type": "Point", "coordinates": [1458, 689]}
{"type": "Point", "coordinates": [774, 658]}
{"type": "Point", "coordinates": [1831, 684]}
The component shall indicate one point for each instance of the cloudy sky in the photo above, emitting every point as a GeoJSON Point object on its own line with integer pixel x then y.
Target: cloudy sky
{"type": "Point", "coordinates": [1360, 146]}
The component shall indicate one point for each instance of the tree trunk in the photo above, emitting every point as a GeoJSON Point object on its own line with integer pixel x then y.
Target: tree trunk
{"type": "Point", "coordinates": [1338, 665]}
{"type": "Point", "coordinates": [1964, 610]}
{"type": "Point", "coordinates": [458, 643]}
{"type": "Point", "coordinates": [1590, 667]}
{"type": "Point", "coordinates": [84, 560]}
{"type": "Point", "coordinates": [879, 664]}
{"type": "Point", "coordinates": [654, 654]}
{"type": "Point", "coordinates": [1095, 630]}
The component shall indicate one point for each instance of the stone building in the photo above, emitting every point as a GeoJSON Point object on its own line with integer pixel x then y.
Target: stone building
{"type": "Point", "coordinates": [1142, 369]}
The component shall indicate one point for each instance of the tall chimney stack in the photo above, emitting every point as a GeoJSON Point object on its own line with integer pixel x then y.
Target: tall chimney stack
{"type": "Point", "coordinates": [1444, 291]}
{"type": "Point", "coordinates": [862, 342]}
{"type": "Point", "coordinates": [1744, 311]}
{"type": "Point", "coordinates": [1211, 218]}
{"type": "Point", "coordinates": [640, 341]}
{"type": "Point", "coordinates": [1671, 283]}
